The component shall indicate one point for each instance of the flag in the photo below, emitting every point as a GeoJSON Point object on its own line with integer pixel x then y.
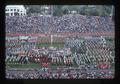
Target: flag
{"type": "Point", "coordinates": [57, 60]}
{"type": "Point", "coordinates": [7, 58]}
{"type": "Point", "coordinates": [11, 58]}
{"type": "Point", "coordinates": [26, 58]}
{"type": "Point", "coordinates": [70, 60]}
{"type": "Point", "coordinates": [35, 59]}
{"type": "Point", "coordinates": [60, 60]}
{"type": "Point", "coordinates": [18, 58]}
{"type": "Point", "coordinates": [21, 58]}
{"type": "Point", "coordinates": [45, 64]}
{"type": "Point", "coordinates": [23, 61]}
{"type": "Point", "coordinates": [103, 66]}
{"type": "Point", "coordinates": [66, 61]}
{"type": "Point", "coordinates": [14, 58]}
{"type": "Point", "coordinates": [52, 59]}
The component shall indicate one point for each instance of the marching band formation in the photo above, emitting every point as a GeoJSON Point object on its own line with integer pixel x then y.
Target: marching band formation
{"type": "Point", "coordinates": [87, 53]}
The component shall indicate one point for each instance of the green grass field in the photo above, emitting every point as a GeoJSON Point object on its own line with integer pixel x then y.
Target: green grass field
{"type": "Point", "coordinates": [56, 45]}
{"type": "Point", "coordinates": [34, 66]}
{"type": "Point", "coordinates": [31, 65]}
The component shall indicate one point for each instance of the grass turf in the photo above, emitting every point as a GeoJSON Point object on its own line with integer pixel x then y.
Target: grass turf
{"type": "Point", "coordinates": [34, 65]}
{"type": "Point", "coordinates": [30, 65]}
{"type": "Point", "coordinates": [56, 45]}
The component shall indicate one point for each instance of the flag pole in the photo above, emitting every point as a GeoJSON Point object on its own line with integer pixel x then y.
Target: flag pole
{"type": "Point", "coordinates": [51, 39]}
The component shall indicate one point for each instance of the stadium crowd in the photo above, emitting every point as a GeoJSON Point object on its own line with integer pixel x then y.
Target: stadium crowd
{"type": "Point", "coordinates": [59, 74]}
{"type": "Point", "coordinates": [55, 24]}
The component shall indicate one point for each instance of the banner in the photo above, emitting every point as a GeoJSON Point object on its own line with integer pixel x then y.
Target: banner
{"type": "Point", "coordinates": [104, 66]}
{"type": "Point", "coordinates": [46, 65]}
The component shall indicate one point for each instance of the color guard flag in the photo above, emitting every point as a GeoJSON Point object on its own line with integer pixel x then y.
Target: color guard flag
{"type": "Point", "coordinates": [45, 65]}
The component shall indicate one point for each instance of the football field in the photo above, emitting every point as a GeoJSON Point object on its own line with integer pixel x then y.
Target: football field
{"type": "Point", "coordinates": [55, 45]}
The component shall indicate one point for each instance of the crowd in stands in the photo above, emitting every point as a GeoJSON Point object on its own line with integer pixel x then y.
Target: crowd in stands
{"type": "Point", "coordinates": [55, 24]}
{"type": "Point", "coordinates": [59, 74]}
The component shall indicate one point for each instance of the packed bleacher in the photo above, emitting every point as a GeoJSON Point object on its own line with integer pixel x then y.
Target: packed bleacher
{"type": "Point", "coordinates": [59, 74]}
{"type": "Point", "coordinates": [55, 24]}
